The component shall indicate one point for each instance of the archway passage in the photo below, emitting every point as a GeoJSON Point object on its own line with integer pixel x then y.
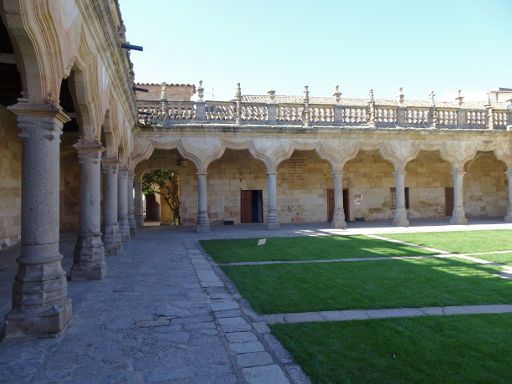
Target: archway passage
{"type": "Point", "coordinates": [485, 186]}
{"type": "Point", "coordinates": [429, 188]}
{"type": "Point", "coordinates": [161, 189]}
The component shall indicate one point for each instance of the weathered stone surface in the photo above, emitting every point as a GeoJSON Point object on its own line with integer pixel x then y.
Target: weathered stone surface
{"type": "Point", "coordinates": [265, 375]}
{"type": "Point", "coordinates": [253, 359]}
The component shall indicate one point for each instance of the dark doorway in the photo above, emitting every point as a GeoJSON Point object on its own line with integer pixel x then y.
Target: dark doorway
{"type": "Point", "coordinates": [330, 204]}
{"type": "Point", "coordinates": [448, 201]}
{"type": "Point", "coordinates": [251, 206]}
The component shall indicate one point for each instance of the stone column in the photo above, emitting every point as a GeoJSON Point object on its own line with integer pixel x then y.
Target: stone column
{"type": "Point", "coordinates": [458, 216]}
{"type": "Point", "coordinates": [508, 217]}
{"type": "Point", "coordinates": [111, 235]}
{"type": "Point", "coordinates": [40, 303]}
{"type": "Point", "coordinates": [122, 205]}
{"type": "Point", "coordinates": [131, 205]}
{"type": "Point", "coordinates": [272, 219]}
{"type": "Point", "coordinates": [139, 218]}
{"type": "Point", "coordinates": [400, 216]}
{"type": "Point", "coordinates": [203, 222]}
{"type": "Point", "coordinates": [338, 217]}
{"type": "Point", "coordinates": [89, 257]}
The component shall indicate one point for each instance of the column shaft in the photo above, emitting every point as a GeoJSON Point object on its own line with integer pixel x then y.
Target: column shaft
{"type": "Point", "coordinates": [131, 205]}
{"type": "Point", "coordinates": [272, 218]}
{"type": "Point", "coordinates": [400, 215]}
{"type": "Point", "coordinates": [111, 234]}
{"type": "Point", "coordinates": [508, 217]}
{"type": "Point", "coordinates": [40, 303]}
{"type": "Point", "coordinates": [122, 205]}
{"type": "Point", "coordinates": [139, 218]}
{"type": "Point", "coordinates": [89, 257]}
{"type": "Point", "coordinates": [338, 217]}
{"type": "Point", "coordinates": [203, 222]}
{"type": "Point", "coordinates": [458, 216]}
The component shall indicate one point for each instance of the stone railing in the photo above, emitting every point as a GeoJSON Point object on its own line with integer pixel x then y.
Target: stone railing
{"type": "Point", "coordinates": [341, 112]}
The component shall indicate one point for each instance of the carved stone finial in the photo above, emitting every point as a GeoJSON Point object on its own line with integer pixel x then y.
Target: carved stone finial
{"type": "Point", "coordinates": [238, 91]}
{"type": "Point", "coordinates": [337, 94]}
{"type": "Point", "coordinates": [488, 99]}
{"type": "Point", "coordinates": [200, 90]}
{"type": "Point", "coordinates": [372, 98]}
{"type": "Point", "coordinates": [401, 95]}
{"type": "Point", "coordinates": [432, 97]}
{"type": "Point", "coordinates": [460, 98]}
{"type": "Point", "coordinates": [306, 92]}
{"type": "Point", "coordinates": [272, 95]}
{"type": "Point", "coordinates": [163, 95]}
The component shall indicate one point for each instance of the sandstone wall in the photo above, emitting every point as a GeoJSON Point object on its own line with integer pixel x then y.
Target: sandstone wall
{"type": "Point", "coordinates": [10, 179]}
{"type": "Point", "coordinates": [485, 187]}
{"type": "Point", "coordinates": [427, 176]}
{"type": "Point", "coordinates": [302, 183]}
{"type": "Point", "coordinates": [369, 177]}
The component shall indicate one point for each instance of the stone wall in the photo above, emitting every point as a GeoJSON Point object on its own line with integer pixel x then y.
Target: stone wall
{"type": "Point", "coordinates": [485, 187]}
{"type": "Point", "coordinates": [302, 183]}
{"type": "Point", "coordinates": [427, 177]}
{"type": "Point", "coordinates": [369, 178]}
{"type": "Point", "coordinates": [10, 179]}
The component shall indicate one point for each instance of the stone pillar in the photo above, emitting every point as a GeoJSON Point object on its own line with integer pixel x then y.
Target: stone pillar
{"type": "Point", "coordinates": [508, 217]}
{"type": "Point", "coordinates": [40, 303]}
{"type": "Point", "coordinates": [111, 235]}
{"type": "Point", "coordinates": [338, 217]}
{"type": "Point", "coordinates": [458, 216]}
{"type": "Point", "coordinates": [203, 222]}
{"type": "Point", "coordinates": [139, 218]}
{"type": "Point", "coordinates": [400, 216]}
{"type": "Point", "coordinates": [131, 205]}
{"type": "Point", "coordinates": [272, 219]}
{"type": "Point", "coordinates": [122, 205]}
{"type": "Point", "coordinates": [89, 257]}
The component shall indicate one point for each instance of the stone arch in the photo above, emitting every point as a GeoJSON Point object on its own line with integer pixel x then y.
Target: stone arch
{"type": "Point", "coordinates": [229, 178]}
{"type": "Point", "coordinates": [485, 186]}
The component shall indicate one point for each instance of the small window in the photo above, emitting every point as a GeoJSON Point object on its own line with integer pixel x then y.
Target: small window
{"type": "Point", "coordinates": [393, 197]}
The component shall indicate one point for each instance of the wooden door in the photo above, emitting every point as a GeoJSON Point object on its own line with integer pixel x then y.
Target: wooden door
{"type": "Point", "coordinates": [448, 201]}
{"type": "Point", "coordinates": [246, 206]}
{"type": "Point", "coordinates": [330, 204]}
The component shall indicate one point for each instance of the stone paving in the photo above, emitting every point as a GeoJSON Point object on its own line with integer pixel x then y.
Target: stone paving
{"type": "Point", "coordinates": [162, 315]}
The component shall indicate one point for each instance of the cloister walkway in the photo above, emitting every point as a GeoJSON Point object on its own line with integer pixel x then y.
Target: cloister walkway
{"type": "Point", "coordinates": [164, 315]}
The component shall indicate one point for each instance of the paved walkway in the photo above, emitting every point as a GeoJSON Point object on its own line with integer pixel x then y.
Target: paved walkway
{"type": "Point", "coordinates": [162, 315]}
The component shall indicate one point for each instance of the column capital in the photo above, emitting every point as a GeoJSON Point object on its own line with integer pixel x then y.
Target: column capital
{"type": "Point", "coordinates": [109, 164]}
{"type": "Point", "coordinates": [89, 150]}
{"type": "Point", "coordinates": [52, 111]}
{"type": "Point", "coordinates": [337, 172]}
{"type": "Point", "coordinates": [508, 172]}
{"type": "Point", "coordinates": [272, 173]}
{"type": "Point", "coordinates": [400, 172]}
{"type": "Point", "coordinates": [202, 173]}
{"type": "Point", "coordinates": [458, 172]}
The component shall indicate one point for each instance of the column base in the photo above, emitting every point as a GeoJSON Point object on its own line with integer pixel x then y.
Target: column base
{"type": "Point", "coordinates": [112, 240]}
{"type": "Point", "coordinates": [139, 222]}
{"type": "Point", "coordinates": [46, 321]}
{"type": "Point", "coordinates": [89, 258]}
{"type": "Point", "coordinates": [508, 218]}
{"type": "Point", "coordinates": [458, 217]}
{"type": "Point", "coordinates": [272, 221]}
{"type": "Point", "coordinates": [124, 229]}
{"type": "Point", "coordinates": [400, 218]}
{"type": "Point", "coordinates": [133, 225]}
{"type": "Point", "coordinates": [339, 220]}
{"type": "Point", "coordinates": [203, 228]}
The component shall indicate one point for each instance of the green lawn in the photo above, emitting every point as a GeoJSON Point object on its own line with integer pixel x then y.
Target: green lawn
{"type": "Point", "coordinates": [369, 284]}
{"type": "Point", "coordinates": [305, 248]}
{"type": "Point", "coordinates": [503, 258]}
{"type": "Point", "coordinates": [451, 350]}
{"type": "Point", "coordinates": [460, 242]}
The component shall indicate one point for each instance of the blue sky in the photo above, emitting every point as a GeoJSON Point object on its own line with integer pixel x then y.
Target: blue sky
{"type": "Point", "coordinates": [284, 45]}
